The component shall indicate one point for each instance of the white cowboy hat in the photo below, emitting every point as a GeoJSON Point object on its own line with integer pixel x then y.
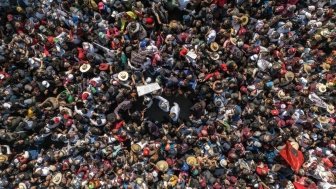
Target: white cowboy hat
{"type": "Point", "coordinates": [57, 178]}
{"type": "Point", "coordinates": [214, 56]}
{"type": "Point", "coordinates": [84, 68]}
{"type": "Point", "coordinates": [223, 162]}
{"type": "Point", "coordinates": [331, 109]}
{"type": "Point", "coordinates": [323, 119]}
{"type": "Point", "coordinates": [322, 88]}
{"type": "Point", "coordinates": [46, 84]}
{"type": "Point", "coordinates": [281, 94]}
{"type": "Point", "coordinates": [123, 76]}
{"type": "Point", "coordinates": [22, 185]}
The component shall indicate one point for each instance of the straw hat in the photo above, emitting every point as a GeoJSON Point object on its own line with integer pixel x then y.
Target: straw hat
{"type": "Point", "coordinates": [19, 9]}
{"type": "Point", "coordinates": [173, 180]}
{"type": "Point", "coordinates": [330, 108]}
{"type": "Point", "coordinates": [325, 66]}
{"type": "Point", "coordinates": [136, 148]}
{"type": "Point", "coordinates": [191, 160]}
{"type": "Point", "coordinates": [244, 20]}
{"type": "Point", "coordinates": [139, 180]}
{"type": "Point", "coordinates": [289, 76]}
{"type": "Point", "coordinates": [325, 33]}
{"type": "Point", "coordinates": [323, 119]}
{"type": "Point", "coordinates": [84, 68]}
{"type": "Point", "coordinates": [214, 46]}
{"type": "Point", "coordinates": [123, 76]}
{"type": "Point", "coordinates": [321, 87]}
{"type": "Point", "coordinates": [162, 165]}
{"type": "Point", "coordinates": [307, 68]}
{"type": "Point", "coordinates": [233, 40]}
{"type": "Point", "coordinates": [281, 94]}
{"type": "Point", "coordinates": [57, 178]}
{"type": "Point", "coordinates": [214, 56]}
{"type": "Point", "coordinates": [22, 185]}
{"type": "Point", "coordinates": [3, 158]}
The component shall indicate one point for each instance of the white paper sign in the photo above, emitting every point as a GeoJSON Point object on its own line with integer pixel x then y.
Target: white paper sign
{"type": "Point", "coordinates": [145, 89]}
{"type": "Point", "coordinates": [317, 100]}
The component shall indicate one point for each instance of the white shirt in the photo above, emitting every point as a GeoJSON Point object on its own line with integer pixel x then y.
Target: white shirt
{"type": "Point", "coordinates": [176, 110]}
{"type": "Point", "coordinates": [163, 103]}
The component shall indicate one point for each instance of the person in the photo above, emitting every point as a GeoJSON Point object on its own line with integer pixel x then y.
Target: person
{"type": "Point", "coordinates": [246, 96]}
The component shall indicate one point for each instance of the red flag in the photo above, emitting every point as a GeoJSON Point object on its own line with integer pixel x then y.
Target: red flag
{"type": "Point", "coordinates": [298, 186]}
{"type": "Point", "coordinates": [292, 156]}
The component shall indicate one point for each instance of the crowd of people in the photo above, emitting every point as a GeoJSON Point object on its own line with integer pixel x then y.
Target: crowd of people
{"type": "Point", "coordinates": [260, 75]}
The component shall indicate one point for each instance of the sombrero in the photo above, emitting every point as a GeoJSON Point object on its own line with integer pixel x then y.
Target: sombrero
{"type": "Point", "coordinates": [57, 178]}
{"type": "Point", "coordinates": [325, 66]}
{"type": "Point", "coordinates": [135, 148]}
{"type": "Point", "coordinates": [244, 20]}
{"type": "Point", "coordinates": [84, 68]}
{"type": "Point", "coordinates": [162, 165]}
{"type": "Point", "coordinates": [323, 119]}
{"type": "Point", "coordinates": [289, 76]}
{"type": "Point", "coordinates": [321, 87]}
{"type": "Point", "coordinates": [325, 33]}
{"type": "Point", "coordinates": [330, 108]}
{"type": "Point", "coordinates": [233, 40]}
{"type": "Point", "coordinates": [123, 76]}
{"type": "Point", "coordinates": [22, 185]}
{"type": "Point", "coordinates": [173, 180]}
{"type": "Point", "coordinates": [214, 56]}
{"type": "Point", "coordinates": [19, 9]}
{"type": "Point", "coordinates": [139, 180]}
{"type": "Point", "coordinates": [307, 68]}
{"type": "Point", "coordinates": [191, 160]}
{"type": "Point", "coordinates": [103, 67]}
{"type": "Point", "coordinates": [3, 158]}
{"type": "Point", "coordinates": [214, 46]}
{"type": "Point", "coordinates": [281, 94]}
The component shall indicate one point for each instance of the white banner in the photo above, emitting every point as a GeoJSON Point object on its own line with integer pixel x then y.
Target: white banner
{"type": "Point", "coordinates": [145, 89]}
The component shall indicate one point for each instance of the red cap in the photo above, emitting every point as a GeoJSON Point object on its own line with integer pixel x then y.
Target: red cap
{"type": "Point", "coordinates": [69, 122]}
{"type": "Point", "coordinates": [149, 20]}
{"type": "Point", "coordinates": [93, 83]}
{"type": "Point", "coordinates": [275, 112]}
{"type": "Point", "coordinates": [223, 67]}
{"type": "Point", "coordinates": [50, 39]}
{"type": "Point", "coordinates": [279, 9]}
{"type": "Point", "coordinates": [292, 50]}
{"type": "Point", "coordinates": [85, 95]}
{"type": "Point", "coordinates": [243, 89]}
{"type": "Point", "coordinates": [262, 170]}
{"type": "Point", "coordinates": [256, 50]}
{"type": "Point", "coordinates": [183, 52]}
{"type": "Point", "coordinates": [183, 36]}
{"type": "Point", "coordinates": [146, 152]}
{"type": "Point", "coordinates": [100, 5]}
{"type": "Point", "coordinates": [242, 31]}
{"type": "Point", "coordinates": [56, 120]}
